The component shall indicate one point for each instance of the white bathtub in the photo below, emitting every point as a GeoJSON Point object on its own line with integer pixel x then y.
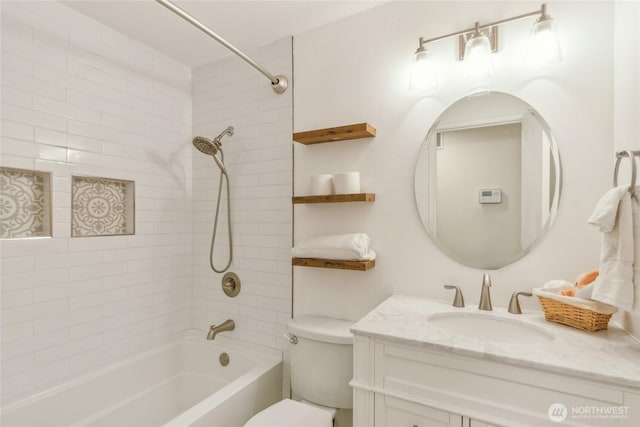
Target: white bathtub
{"type": "Point", "coordinates": [179, 384]}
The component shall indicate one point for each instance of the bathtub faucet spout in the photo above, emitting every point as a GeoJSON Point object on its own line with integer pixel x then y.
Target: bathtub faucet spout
{"type": "Point", "coordinates": [227, 325]}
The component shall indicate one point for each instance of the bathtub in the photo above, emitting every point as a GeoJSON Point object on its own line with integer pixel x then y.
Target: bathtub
{"type": "Point", "coordinates": [179, 384]}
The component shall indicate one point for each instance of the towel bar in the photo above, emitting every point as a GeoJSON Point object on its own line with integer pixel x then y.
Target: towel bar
{"type": "Point", "coordinates": [631, 155]}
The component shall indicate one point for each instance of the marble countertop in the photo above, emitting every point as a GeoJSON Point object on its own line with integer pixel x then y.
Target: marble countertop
{"type": "Point", "coordinates": [610, 355]}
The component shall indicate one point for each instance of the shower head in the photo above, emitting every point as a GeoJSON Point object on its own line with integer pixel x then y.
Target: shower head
{"type": "Point", "coordinates": [206, 146]}
{"type": "Point", "coordinates": [211, 147]}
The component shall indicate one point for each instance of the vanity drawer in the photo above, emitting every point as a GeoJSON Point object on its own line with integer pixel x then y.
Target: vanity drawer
{"type": "Point", "coordinates": [394, 412]}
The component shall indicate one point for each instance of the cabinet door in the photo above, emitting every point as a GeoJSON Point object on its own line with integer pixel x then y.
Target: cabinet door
{"type": "Point", "coordinates": [475, 423]}
{"type": "Point", "coordinates": [394, 412]}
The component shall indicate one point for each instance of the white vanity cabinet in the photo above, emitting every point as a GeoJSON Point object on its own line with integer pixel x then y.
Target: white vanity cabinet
{"type": "Point", "coordinates": [401, 380]}
{"type": "Point", "coordinates": [397, 385]}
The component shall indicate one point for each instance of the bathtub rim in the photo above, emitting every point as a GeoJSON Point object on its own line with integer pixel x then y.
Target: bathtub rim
{"type": "Point", "coordinates": [262, 355]}
{"type": "Point", "coordinates": [200, 409]}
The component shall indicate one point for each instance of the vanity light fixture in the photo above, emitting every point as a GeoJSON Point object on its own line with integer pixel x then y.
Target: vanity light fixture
{"type": "Point", "coordinates": [475, 46]}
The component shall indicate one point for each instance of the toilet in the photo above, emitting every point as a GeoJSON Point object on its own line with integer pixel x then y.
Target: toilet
{"type": "Point", "coordinates": [321, 358]}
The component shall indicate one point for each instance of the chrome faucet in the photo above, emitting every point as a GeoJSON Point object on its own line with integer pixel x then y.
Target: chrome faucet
{"type": "Point", "coordinates": [485, 295]}
{"type": "Point", "coordinates": [227, 325]}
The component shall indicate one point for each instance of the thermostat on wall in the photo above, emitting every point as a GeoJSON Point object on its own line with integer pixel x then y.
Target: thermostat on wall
{"type": "Point", "coordinates": [492, 195]}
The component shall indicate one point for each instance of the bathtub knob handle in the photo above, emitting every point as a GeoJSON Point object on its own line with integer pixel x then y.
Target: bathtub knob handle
{"type": "Point", "coordinates": [292, 338]}
{"type": "Point", "coordinates": [231, 284]}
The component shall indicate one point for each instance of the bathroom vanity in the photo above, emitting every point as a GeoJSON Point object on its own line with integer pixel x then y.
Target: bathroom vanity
{"type": "Point", "coordinates": [423, 363]}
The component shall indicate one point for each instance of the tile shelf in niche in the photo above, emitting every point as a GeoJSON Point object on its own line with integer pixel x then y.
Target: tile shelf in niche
{"type": "Point", "coordinates": [25, 203]}
{"type": "Point", "coordinates": [102, 207]}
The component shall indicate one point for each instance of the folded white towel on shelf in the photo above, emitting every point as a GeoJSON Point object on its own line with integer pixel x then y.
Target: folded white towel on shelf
{"type": "Point", "coordinates": [614, 216]}
{"type": "Point", "coordinates": [348, 247]}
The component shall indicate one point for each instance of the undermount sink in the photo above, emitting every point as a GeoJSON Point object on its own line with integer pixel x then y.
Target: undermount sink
{"type": "Point", "coordinates": [489, 328]}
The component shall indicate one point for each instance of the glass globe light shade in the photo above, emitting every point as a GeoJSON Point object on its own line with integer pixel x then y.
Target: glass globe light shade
{"type": "Point", "coordinates": [477, 57]}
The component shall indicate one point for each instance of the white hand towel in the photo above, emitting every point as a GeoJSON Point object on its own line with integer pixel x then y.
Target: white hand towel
{"type": "Point", "coordinates": [635, 212]}
{"type": "Point", "coordinates": [614, 217]}
{"type": "Point", "coordinates": [606, 210]}
{"type": "Point", "coordinates": [349, 247]}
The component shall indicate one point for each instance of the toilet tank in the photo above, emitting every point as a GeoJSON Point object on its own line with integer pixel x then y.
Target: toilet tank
{"type": "Point", "coordinates": [322, 360]}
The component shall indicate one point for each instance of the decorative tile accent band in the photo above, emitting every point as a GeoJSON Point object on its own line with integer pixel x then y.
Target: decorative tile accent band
{"type": "Point", "coordinates": [25, 203]}
{"type": "Point", "coordinates": [101, 207]}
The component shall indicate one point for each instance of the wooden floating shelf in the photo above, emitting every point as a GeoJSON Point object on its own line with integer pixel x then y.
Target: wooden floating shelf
{"type": "Point", "coordinates": [335, 198]}
{"type": "Point", "coordinates": [340, 133]}
{"type": "Point", "coordinates": [334, 263]}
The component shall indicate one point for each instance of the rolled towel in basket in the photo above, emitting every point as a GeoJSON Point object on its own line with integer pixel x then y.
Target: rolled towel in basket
{"type": "Point", "coordinates": [581, 288]}
{"type": "Point", "coordinates": [348, 247]}
{"type": "Point", "coordinates": [557, 285]}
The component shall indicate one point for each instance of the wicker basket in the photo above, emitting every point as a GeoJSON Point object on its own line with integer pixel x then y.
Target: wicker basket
{"type": "Point", "coordinates": [571, 315]}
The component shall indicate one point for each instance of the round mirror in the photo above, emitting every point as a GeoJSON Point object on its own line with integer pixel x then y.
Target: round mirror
{"type": "Point", "coordinates": [487, 180]}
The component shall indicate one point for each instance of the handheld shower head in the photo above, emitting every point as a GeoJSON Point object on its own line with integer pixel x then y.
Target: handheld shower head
{"type": "Point", "coordinates": [213, 148]}
{"type": "Point", "coordinates": [205, 145]}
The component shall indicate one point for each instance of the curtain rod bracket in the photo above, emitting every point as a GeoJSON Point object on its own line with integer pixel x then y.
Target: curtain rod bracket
{"type": "Point", "coordinates": [281, 85]}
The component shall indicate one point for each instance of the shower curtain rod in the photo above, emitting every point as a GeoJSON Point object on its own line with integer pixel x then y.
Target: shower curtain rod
{"type": "Point", "coordinates": [279, 83]}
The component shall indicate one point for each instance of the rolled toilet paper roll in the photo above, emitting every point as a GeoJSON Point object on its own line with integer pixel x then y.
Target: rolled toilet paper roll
{"type": "Point", "coordinates": [321, 185]}
{"type": "Point", "coordinates": [347, 183]}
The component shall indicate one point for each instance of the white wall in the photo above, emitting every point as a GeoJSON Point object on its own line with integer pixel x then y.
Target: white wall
{"type": "Point", "coordinates": [357, 70]}
{"type": "Point", "coordinates": [79, 98]}
{"type": "Point", "coordinates": [259, 163]}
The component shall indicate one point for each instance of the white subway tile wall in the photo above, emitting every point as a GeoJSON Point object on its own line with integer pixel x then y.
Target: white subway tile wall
{"type": "Point", "coordinates": [259, 162]}
{"type": "Point", "coordinates": [79, 98]}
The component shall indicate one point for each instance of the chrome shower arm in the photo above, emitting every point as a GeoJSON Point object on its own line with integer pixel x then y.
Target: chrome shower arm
{"type": "Point", "coordinates": [279, 83]}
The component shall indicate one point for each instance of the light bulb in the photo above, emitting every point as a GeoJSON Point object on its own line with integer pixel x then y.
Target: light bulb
{"type": "Point", "coordinates": [477, 56]}
{"type": "Point", "coordinates": [424, 75]}
{"type": "Point", "coordinates": [544, 46]}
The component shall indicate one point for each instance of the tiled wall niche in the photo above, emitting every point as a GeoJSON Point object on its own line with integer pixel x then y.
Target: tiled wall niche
{"type": "Point", "coordinates": [25, 203]}
{"type": "Point", "coordinates": [102, 207]}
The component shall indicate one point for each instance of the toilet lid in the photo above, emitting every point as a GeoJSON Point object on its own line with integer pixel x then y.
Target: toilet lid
{"type": "Point", "coordinates": [289, 413]}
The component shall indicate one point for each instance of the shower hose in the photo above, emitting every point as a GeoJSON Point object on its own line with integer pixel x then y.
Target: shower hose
{"type": "Point", "coordinates": [223, 175]}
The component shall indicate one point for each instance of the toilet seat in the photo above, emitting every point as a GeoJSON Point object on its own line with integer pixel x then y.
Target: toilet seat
{"type": "Point", "coordinates": [290, 413]}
